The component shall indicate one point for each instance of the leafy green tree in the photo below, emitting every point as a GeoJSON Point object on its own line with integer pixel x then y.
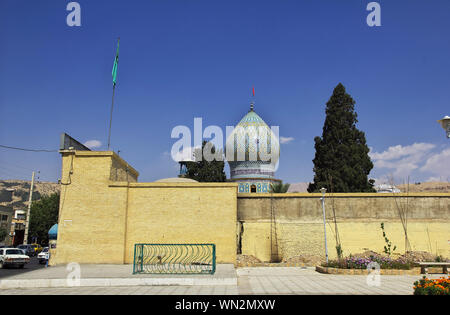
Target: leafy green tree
{"type": "Point", "coordinates": [342, 160]}
{"type": "Point", "coordinates": [3, 234]}
{"type": "Point", "coordinates": [279, 187]}
{"type": "Point", "coordinates": [206, 171]}
{"type": "Point", "coordinates": [43, 215]}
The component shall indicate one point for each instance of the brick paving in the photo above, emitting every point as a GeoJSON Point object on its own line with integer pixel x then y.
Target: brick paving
{"type": "Point", "coordinates": [256, 280]}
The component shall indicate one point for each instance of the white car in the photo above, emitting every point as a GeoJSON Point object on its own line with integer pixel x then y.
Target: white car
{"type": "Point", "coordinates": [13, 257]}
{"type": "Point", "coordinates": [43, 256]}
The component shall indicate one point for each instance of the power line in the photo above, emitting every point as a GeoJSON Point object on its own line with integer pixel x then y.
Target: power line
{"type": "Point", "coordinates": [9, 164]}
{"type": "Point", "coordinates": [14, 173]}
{"type": "Point", "coordinates": [12, 168]}
{"type": "Point", "coordinates": [30, 150]}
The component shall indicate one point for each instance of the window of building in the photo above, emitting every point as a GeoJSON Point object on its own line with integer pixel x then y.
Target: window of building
{"type": "Point", "coordinates": [253, 189]}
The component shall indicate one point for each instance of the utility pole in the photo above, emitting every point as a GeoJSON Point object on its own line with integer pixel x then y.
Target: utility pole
{"type": "Point", "coordinates": [27, 221]}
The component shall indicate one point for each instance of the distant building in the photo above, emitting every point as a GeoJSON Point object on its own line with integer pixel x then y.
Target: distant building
{"type": "Point", "coordinates": [6, 215]}
{"type": "Point", "coordinates": [384, 188]}
{"type": "Point", "coordinates": [186, 156]}
{"type": "Point", "coordinates": [183, 168]}
{"type": "Point", "coordinates": [298, 188]}
{"type": "Point", "coordinates": [18, 227]}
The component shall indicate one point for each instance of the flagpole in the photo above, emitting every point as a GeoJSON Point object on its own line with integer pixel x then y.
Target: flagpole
{"type": "Point", "coordinates": [110, 117]}
{"type": "Point", "coordinates": [114, 74]}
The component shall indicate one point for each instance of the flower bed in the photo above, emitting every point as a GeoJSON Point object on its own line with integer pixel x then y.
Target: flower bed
{"type": "Point", "coordinates": [362, 272]}
{"type": "Point", "coordinates": [432, 287]}
{"type": "Point", "coordinates": [385, 262]}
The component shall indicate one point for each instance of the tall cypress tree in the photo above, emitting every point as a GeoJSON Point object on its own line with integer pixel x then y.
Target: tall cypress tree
{"type": "Point", "coordinates": [342, 162]}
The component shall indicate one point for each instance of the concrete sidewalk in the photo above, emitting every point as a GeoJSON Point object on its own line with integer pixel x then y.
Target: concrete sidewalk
{"type": "Point", "coordinates": [114, 275]}
{"type": "Point", "coordinates": [118, 279]}
{"type": "Point", "coordinates": [304, 281]}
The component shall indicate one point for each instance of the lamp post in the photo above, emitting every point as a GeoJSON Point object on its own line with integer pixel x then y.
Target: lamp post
{"type": "Point", "coordinates": [445, 123]}
{"type": "Point", "coordinates": [323, 190]}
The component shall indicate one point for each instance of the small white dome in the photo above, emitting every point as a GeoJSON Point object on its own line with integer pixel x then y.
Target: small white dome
{"type": "Point", "coordinates": [176, 180]}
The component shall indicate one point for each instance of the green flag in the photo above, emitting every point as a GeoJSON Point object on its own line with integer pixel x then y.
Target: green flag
{"type": "Point", "coordinates": [116, 62]}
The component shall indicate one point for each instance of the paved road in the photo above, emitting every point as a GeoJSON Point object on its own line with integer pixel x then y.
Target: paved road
{"type": "Point", "coordinates": [12, 271]}
{"type": "Point", "coordinates": [262, 280]}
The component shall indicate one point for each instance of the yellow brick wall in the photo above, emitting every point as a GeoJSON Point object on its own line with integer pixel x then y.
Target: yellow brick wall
{"type": "Point", "coordinates": [104, 212]}
{"type": "Point", "coordinates": [297, 238]}
{"type": "Point", "coordinates": [91, 223]}
{"type": "Point", "coordinates": [294, 223]}
{"type": "Point", "coordinates": [102, 215]}
{"type": "Point", "coordinates": [183, 213]}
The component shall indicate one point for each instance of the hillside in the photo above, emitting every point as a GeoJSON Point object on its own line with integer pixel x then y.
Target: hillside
{"type": "Point", "coordinates": [426, 187]}
{"type": "Point", "coordinates": [419, 187]}
{"type": "Point", "coordinates": [18, 198]}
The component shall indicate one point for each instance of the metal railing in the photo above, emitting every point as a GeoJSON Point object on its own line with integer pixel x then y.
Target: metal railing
{"type": "Point", "coordinates": [174, 258]}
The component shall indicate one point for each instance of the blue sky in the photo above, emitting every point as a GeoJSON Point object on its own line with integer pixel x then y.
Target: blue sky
{"type": "Point", "coordinates": [200, 58]}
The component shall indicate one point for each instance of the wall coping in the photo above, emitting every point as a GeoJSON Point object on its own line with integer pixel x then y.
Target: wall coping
{"type": "Point", "coordinates": [112, 154]}
{"type": "Point", "coordinates": [341, 195]}
{"type": "Point", "coordinates": [170, 185]}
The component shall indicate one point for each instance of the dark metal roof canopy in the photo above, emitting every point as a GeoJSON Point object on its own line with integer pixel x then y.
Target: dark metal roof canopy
{"type": "Point", "coordinates": [69, 143]}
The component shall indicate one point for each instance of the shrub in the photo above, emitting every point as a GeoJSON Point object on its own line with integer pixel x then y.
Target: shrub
{"type": "Point", "coordinates": [432, 287]}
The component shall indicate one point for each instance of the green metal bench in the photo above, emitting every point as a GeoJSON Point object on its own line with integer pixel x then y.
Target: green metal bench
{"type": "Point", "coordinates": [174, 259]}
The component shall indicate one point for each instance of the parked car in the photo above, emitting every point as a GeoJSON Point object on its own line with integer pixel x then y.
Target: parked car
{"type": "Point", "coordinates": [27, 250]}
{"type": "Point", "coordinates": [13, 257]}
{"type": "Point", "coordinates": [43, 256]}
{"type": "Point", "coordinates": [37, 248]}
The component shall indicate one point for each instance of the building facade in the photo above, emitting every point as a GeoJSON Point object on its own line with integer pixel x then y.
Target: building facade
{"type": "Point", "coordinates": [6, 215]}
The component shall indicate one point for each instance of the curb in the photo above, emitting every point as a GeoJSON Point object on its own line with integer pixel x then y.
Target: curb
{"type": "Point", "coordinates": [302, 265]}
{"type": "Point", "coordinates": [112, 282]}
{"type": "Point", "coordinates": [365, 272]}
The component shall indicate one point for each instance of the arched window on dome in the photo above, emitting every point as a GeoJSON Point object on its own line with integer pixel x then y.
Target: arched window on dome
{"type": "Point", "coordinates": [253, 189]}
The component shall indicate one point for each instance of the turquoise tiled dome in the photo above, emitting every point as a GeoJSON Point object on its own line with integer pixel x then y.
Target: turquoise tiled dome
{"type": "Point", "coordinates": [251, 144]}
{"type": "Point", "coordinates": [53, 232]}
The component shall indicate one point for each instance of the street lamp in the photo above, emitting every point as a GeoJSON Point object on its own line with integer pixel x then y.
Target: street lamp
{"type": "Point", "coordinates": [323, 190]}
{"type": "Point", "coordinates": [445, 123]}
